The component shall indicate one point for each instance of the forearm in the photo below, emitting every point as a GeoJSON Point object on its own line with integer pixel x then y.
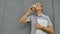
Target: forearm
{"type": "Point", "coordinates": [24, 17]}
{"type": "Point", "coordinates": [48, 30]}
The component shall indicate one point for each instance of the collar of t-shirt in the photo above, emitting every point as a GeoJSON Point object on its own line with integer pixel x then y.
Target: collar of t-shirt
{"type": "Point", "coordinates": [39, 15]}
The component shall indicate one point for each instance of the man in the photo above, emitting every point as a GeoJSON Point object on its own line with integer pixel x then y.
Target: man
{"type": "Point", "coordinates": [33, 20]}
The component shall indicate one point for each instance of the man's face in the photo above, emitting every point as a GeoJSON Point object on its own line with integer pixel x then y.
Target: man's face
{"type": "Point", "coordinates": [38, 6]}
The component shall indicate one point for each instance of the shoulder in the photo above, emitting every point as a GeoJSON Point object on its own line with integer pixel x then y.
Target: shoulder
{"type": "Point", "coordinates": [46, 16]}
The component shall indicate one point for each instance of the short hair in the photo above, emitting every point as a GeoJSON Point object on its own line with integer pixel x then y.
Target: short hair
{"type": "Point", "coordinates": [40, 3]}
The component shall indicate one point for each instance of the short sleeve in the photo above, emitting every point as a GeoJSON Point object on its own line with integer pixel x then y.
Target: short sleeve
{"type": "Point", "coordinates": [28, 19]}
{"type": "Point", "coordinates": [49, 22]}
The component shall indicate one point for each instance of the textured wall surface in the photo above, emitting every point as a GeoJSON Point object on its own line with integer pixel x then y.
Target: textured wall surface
{"type": "Point", "coordinates": [57, 16]}
{"type": "Point", "coordinates": [12, 10]}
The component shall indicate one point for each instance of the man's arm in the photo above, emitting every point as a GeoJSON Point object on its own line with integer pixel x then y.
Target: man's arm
{"type": "Point", "coordinates": [23, 19]}
{"type": "Point", "coordinates": [45, 29]}
{"type": "Point", "coordinates": [48, 29]}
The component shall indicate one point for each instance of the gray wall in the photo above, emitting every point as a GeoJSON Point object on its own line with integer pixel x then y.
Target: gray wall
{"type": "Point", "coordinates": [56, 4]}
{"type": "Point", "coordinates": [12, 10]}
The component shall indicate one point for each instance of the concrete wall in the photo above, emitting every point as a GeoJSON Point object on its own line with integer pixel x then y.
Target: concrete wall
{"type": "Point", "coordinates": [12, 10]}
{"type": "Point", "coordinates": [56, 4]}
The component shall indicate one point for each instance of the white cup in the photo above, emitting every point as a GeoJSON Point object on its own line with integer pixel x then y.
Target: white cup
{"type": "Point", "coordinates": [34, 6]}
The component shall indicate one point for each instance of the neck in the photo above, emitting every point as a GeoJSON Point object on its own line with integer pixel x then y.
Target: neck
{"type": "Point", "coordinates": [38, 13]}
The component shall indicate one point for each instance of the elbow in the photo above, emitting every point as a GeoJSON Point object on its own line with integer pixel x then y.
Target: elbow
{"type": "Point", "coordinates": [52, 32]}
{"type": "Point", "coordinates": [20, 21]}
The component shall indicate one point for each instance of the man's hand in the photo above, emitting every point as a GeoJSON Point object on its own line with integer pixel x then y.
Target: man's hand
{"type": "Point", "coordinates": [31, 9]}
{"type": "Point", "coordinates": [38, 26]}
